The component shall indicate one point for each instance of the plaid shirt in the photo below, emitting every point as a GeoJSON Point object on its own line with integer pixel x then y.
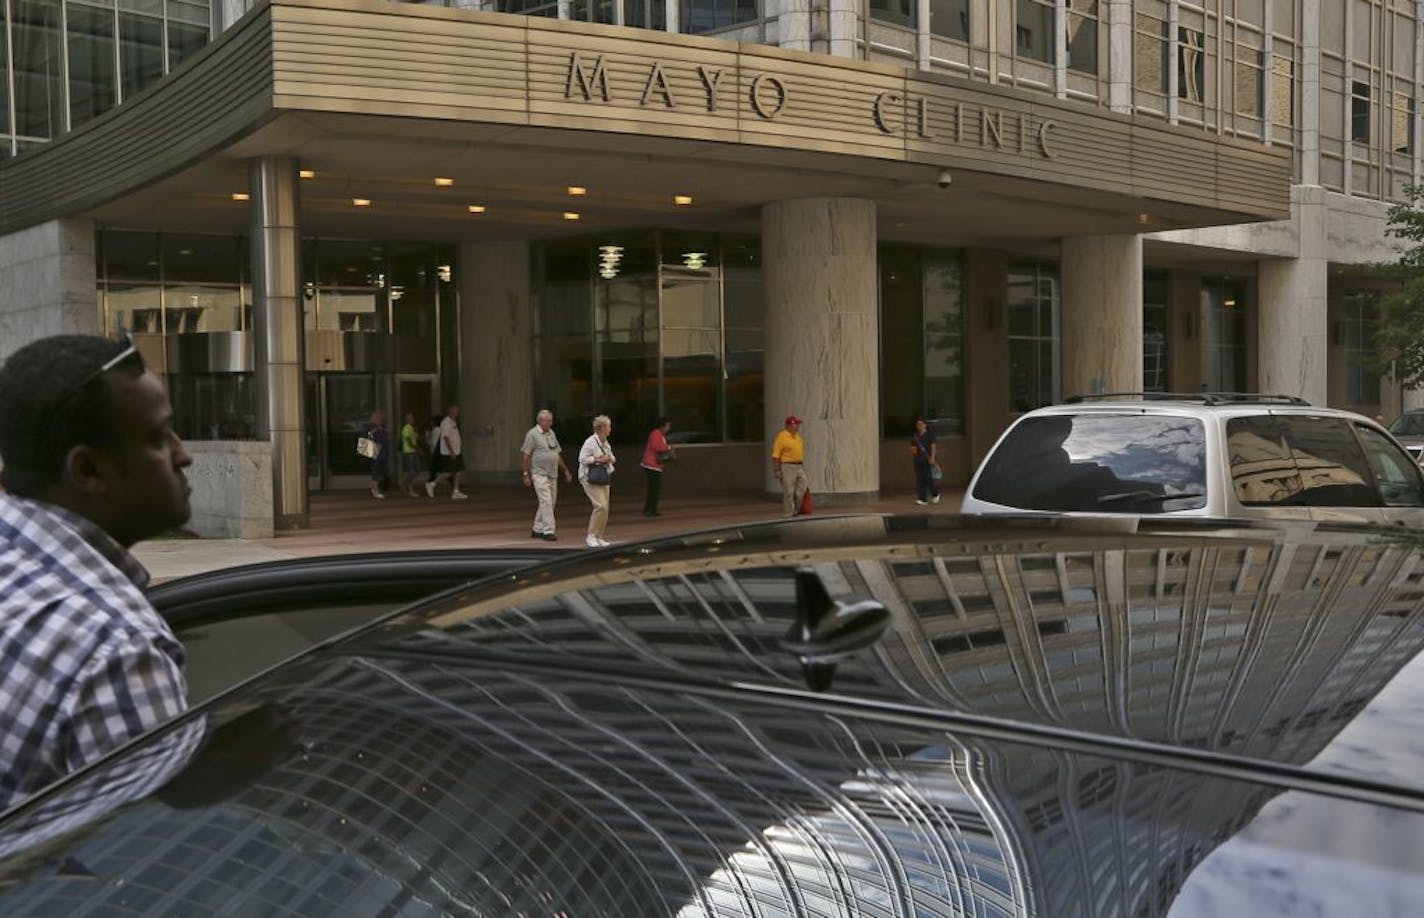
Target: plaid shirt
{"type": "Point", "coordinates": [86, 663]}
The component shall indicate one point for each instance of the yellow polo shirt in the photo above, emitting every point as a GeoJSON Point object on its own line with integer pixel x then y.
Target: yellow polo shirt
{"type": "Point", "coordinates": [787, 447]}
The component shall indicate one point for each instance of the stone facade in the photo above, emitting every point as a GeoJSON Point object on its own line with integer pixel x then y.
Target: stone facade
{"type": "Point", "coordinates": [232, 489]}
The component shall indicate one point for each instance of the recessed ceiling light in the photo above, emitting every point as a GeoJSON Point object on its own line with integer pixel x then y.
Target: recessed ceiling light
{"type": "Point", "coordinates": [361, 202]}
{"type": "Point", "coordinates": [444, 182]}
{"type": "Point", "coordinates": [577, 191]}
{"type": "Point", "coordinates": [682, 200]}
{"type": "Point", "coordinates": [240, 196]}
{"type": "Point", "coordinates": [476, 208]}
{"type": "Point", "coordinates": [570, 215]}
{"type": "Point", "coordinates": [307, 173]}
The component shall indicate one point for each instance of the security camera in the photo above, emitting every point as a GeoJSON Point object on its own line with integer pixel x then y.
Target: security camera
{"type": "Point", "coordinates": [944, 179]}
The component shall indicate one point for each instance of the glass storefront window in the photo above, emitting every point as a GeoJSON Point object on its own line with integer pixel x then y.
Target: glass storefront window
{"type": "Point", "coordinates": [563, 332]}
{"type": "Point", "coordinates": [1223, 325]}
{"type": "Point", "coordinates": [412, 289]}
{"type": "Point", "coordinates": [944, 343]}
{"type": "Point", "coordinates": [744, 342]}
{"type": "Point", "coordinates": [1033, 302]}
{"type": "Point", "coordinates": [1154, 332]}
{"type": "Point", "coordinates": [902, 369]}
{"type": "Point", "coordinates": [625, 311]}
{"type": "Point", "coordinates": [690, 328]}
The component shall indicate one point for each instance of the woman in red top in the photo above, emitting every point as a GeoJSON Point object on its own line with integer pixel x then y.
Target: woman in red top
{"type": "Point", "coordinates": [655, 454]}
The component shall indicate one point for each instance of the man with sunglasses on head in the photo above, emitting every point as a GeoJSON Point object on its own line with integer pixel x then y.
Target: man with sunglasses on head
{"type": "Point", "coordinates": [91, 466]}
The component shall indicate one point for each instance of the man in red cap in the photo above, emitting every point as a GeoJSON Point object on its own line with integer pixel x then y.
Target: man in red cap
{"type": "Point", "coordinates": [787, 455]}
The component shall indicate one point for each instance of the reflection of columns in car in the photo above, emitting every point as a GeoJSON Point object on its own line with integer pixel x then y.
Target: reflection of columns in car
{"type": "Point", "coordinates": [278, 342]}
{"type": "Point", "coordinates": [1102, 314]}
{"type": "Point", "coordinates": [822, 331]}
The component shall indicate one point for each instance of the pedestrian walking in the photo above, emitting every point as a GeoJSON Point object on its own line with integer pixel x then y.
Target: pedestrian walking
{"type": "Point", "coordinates": [376, 450]}
{"type": "Point", "coordinates": [409, 455]}
{"type": "Point", "coordinates": [543, 458]}
{"type": "Point", "coordinates": [451, 464]}
{"type": "Point", "coordinates": [595, 460]}
{"type": "Point", "coordinates": [656, 454]}
{"type": "Point", "coordinates": [927, 471]}
{"type": "Point", "coordinates": [788, 456]}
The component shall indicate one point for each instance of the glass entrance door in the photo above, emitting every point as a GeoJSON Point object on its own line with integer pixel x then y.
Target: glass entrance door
{"type": "Point", "coordinates": [338, 407]}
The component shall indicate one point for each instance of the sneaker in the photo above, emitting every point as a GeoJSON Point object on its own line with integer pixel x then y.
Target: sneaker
{"type": "Point", "coordinates": [604, 543]}
{"type": "Point", "coordinates": [935, 499]}
{"type": "Point", "coordinates": [459, 495]}
{"type": "Point", "coordinates": [922, 502]}
{"type": "Point", "coordinates": [593, 542]}
{"type": "Point", "coordinates": [430, 489]}
{"type": "Point", "coordinates": [548, 537]}
{"type": "Point", "coordinates": [378, 495]}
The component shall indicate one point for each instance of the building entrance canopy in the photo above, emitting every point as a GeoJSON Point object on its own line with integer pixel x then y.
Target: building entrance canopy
{"type": "Point", "coordinates": [378, 100]}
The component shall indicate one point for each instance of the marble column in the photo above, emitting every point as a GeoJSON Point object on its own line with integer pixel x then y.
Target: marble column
{"type": "Point", "coordinates": [1101, 317]}
{"type": "Point", "coordinates": [47, 284]}
{"type": "Point", "coordinates": [497, 357]}
{"type": "Point", "coordinates": [822, 338]}
{"type": "Point", "coordinates": [1292, 317]}
{"type": "Point", "coordinates": [279, 340]}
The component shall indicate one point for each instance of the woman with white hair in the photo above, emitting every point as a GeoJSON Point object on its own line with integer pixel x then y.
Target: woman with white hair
{"type": "Point", "coordinates": [595, 462]}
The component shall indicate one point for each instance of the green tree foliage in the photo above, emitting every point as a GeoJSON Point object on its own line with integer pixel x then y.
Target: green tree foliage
{"type": "Point", "coordinates": [1399, 336]}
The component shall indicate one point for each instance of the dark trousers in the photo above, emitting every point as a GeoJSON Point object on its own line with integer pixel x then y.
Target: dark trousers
{"type": "Point", "coordinates": [925, 485]}
{"type": "Point", "coordinates": [654, 488]}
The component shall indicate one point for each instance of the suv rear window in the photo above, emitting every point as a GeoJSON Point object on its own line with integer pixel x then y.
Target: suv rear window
{"type": "Point", "coordinates": [1099, 463]}
{"type": "Point", "coordinates": [1287, 460]}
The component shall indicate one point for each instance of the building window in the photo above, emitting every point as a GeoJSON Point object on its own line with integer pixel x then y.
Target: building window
{"type": "Point", "coordinates": [921, 339]}
{"type": "Point", "coordinates": [1149, 58]}
{"type": "Point", "coordinates": [950, 19]}
{"type": "Point", "coordinates": [1191, 65]}
{"type": "Point", "coordinates": [641, 325]}
{"type": "Point", "coordinates": [1223, 334]}
{"type": "Point", "coordinates": [1356, 331]}
{"type": "Point", "coordinates": [1033, 303]}
{"type": "Point", "coordinates": [1249, 77]}
{"type": "Point", "coordinates": [37, 46]}
{"type": "Point", "coordinates": [545, 8]}
{"type": "Point", "coordinates": [1081, 25]}
{"type": "Point", "coordinates": [714, 15]}
{"type": "Point", "coordinates": [1401, 123]}
{"type": "Point", "coordinates": [140, 51]}
{"type": "Point", "coordinates": [93, 87]}
{"type": "Point", "coordinates": [900, 12]}
{"type": "Point", "coordinates": [1359, 111]}
{"type": "Point", "coordinates": [1154, 332]}
{"type": "Point", "coordinates": [1282, 91]}
{"type": "Point", "coordinates": [1034, 30]}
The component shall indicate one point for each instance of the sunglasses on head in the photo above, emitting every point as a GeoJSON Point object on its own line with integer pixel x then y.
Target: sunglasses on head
{"type": "Point", "coordinates": [129, 354]}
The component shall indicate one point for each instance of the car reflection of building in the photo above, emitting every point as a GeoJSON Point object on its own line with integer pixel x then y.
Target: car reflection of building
{"type": "Point", "coordinates": [451, 769]}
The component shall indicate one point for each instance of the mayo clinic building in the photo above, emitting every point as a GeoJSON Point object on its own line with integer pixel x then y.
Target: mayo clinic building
{"type": "Point", "coordinates": [719, 211]}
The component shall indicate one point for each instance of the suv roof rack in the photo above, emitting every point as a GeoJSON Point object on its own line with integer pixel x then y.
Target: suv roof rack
{"type": "Point", "coordinates": [1206, 398]}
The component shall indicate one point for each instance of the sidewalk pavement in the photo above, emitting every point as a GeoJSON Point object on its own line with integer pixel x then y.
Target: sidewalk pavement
{"type": "Point", "coordinates": [354, 522]}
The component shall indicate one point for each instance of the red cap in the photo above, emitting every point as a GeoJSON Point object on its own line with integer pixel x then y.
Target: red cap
{"type": "Point", "coordinates": [792, 419]}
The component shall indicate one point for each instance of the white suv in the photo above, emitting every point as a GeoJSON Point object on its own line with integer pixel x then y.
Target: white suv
{"type": "Point", "coordinates": [1200, 455]}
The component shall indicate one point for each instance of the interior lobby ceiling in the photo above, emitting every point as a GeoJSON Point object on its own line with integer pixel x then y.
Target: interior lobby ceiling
{"type": "Point", "coordinates": [521, 176]}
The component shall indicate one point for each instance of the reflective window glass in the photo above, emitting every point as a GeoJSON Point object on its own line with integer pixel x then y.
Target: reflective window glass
{"type": "Point", "coordinates": [944, 343]}
{"type": "Point", "coordinates": [900, 12]}
{"type": "Point", "coordinates": [140, 51]}
{"type": "Point", "coordinates": [1223, 336]}
{"type": "Point", "coordinates": [902, 368]}
{"type": "Point", "coordinates": [950, 19]}
{"type": "Point", "coordinates": [1098, 463]}
{"type": "Point", "coordinates": [183, 40]}
{"type": "Point", "coordinates": [1149, 57]}
{"type": "Point", "coordinates": [1154, 332]}
{"type": "Point", "coordinates": [711, 15]}
{"type": "Point", "coordinates": [1033, 31]}
{"type": "Point", "coordinates": [1298, 461]}
{"type": "Point", "coordinates": [1191, 65]}
{"type": "Point", "coordinates": [1081, 24]}
{"type": "Point", "coordinates": [1033, 335]}
{"type": "Point", "coordinates": [93, 86]}
{"type": "Point", "coordinates": [626, 339]}
{"type": "Point", "coordinates": [39, 92]}
{"type": "Point", "coordinates": [743, 347]}
{"type": "Point", "coordinates": [1396, 475]}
